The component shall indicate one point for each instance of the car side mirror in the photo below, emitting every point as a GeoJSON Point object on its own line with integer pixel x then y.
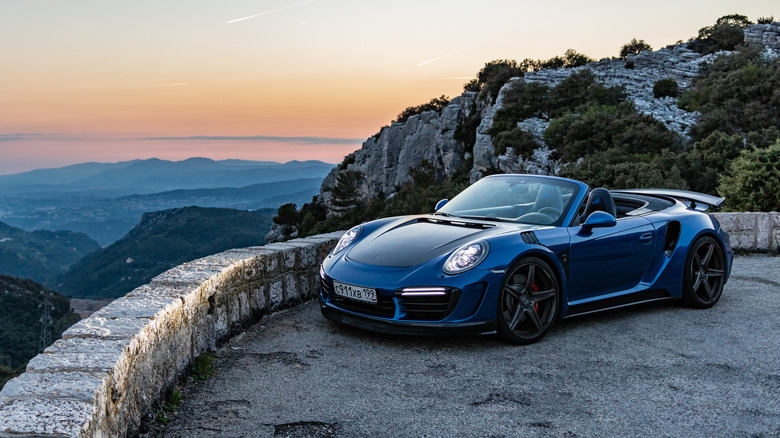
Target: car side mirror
{"type": "Point", "coordinates": [440, 204]}
{"type": "Point", "coordinates": [599, 219]}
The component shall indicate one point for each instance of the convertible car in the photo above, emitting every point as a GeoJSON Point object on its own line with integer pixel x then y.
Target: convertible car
{"type": "Point", "coordinates": [513, 253]}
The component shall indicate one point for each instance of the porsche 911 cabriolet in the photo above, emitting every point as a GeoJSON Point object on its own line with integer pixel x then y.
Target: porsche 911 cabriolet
{"type": "Point", "coordinates": [512, 254]}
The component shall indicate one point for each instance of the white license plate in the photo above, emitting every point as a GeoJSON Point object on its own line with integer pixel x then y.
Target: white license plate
{"type": "Point", "coordinates": [358, 293]}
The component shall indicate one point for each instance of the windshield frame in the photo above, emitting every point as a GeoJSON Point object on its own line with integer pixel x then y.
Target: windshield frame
{"type": "Point", "coordinates": [578, 192]}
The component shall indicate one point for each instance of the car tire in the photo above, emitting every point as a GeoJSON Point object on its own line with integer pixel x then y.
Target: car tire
{"type": "Point", "coordinates": [704, 274]}
{"type": "Point", "coordinates": [529, 302]}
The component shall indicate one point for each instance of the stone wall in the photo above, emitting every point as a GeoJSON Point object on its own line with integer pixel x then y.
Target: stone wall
{"type": "Point", "coordinates": [109, 371]}
{"type": "Point", "coordinates": [752, 231]}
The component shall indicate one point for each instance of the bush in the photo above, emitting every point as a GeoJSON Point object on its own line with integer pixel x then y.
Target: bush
{"type": "Point", "coordinates": [522, 142]}
{"type": "Point", "coordinates": [666, 88]}
{"type": "Point", "coordinates": [754, 182]}
{"type": "Point", "coordinates": [496, 73]}
{"type": "Point", "coordinates": [766, 20]}
{"type": "Point", "coordinates": [435, 104]}
{"type": "Point", "coordinates": [466, 132]}
{"type": "Point", "coordinates": [521, 101]}
{"type": "Point", "coordinates": [726, 34]}
{"type": "Point", "coordinates": [736, 95]}
{"type": "Point", "coordinates": [287, 214]}
{"type": "Point", "coordinates": [634, 47]}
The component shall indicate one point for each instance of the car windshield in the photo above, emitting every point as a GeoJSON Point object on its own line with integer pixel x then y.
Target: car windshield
{"type": "Point", "coordinates": [514, 198]}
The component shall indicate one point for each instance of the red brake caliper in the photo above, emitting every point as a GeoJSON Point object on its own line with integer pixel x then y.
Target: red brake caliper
{"type": "Point", "coordinates": [535, 288]}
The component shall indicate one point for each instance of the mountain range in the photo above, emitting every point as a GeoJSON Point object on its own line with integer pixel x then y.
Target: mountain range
{"type": "Point", "coordinates": [105, 200]}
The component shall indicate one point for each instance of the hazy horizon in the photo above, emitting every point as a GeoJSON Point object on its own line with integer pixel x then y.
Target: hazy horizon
{"type": "Point", "coordinates": [277, 80]}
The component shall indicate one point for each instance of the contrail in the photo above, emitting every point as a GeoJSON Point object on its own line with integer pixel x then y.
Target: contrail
{"type": "Point", "coordinates": [269, 12]}
{"type": "Point", "coordinates": [444, 56]}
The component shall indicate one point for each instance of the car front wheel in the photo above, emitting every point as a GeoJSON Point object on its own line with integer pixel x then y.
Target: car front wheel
{"type": "Point", "coordinates": [704, 273]}
{"type": "Point", "coordinates": [529, 302]}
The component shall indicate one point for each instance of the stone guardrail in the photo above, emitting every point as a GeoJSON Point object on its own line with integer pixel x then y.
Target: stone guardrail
{"type": "Point", "coordinates": [752, 231]}
{"type": "Point", "coordinates": [109, 371]}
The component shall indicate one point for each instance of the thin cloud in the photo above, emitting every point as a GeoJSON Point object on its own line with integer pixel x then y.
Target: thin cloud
{"type": "Point", "coordinates": [303, 140]}
{"type": "Point", "coordinates": [269, 12]}
{"type": "Point", "coordinates": [444, 56]}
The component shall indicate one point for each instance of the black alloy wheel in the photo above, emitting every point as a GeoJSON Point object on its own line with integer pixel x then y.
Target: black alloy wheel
{"type": "Point", "coordinates": [529, 302]}
{"type": "Point", "coordinates": [704, 276]}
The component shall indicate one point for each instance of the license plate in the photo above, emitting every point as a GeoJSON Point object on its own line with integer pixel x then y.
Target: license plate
{"type": "Point", "coordinates": [358, 293]}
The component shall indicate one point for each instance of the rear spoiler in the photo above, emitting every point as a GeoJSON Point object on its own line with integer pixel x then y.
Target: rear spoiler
{"type": "Point", "coordinates": [691, 199]}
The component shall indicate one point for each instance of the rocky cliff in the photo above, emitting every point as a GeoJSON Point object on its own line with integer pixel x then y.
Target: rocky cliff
{"type": "Point", "coordinates": [384, 162]}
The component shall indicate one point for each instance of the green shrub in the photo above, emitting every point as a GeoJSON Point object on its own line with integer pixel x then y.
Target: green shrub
{"type": "Point", "coordinates": [666, 88]}
{"type": "Point", "coordinates": [634, 47]}
{"type": "Point", "coordinates": [736, 94]}
{"type": "Point", "coordinates": [766, 20]}
{"type": "Point", "coordinates": [754, 181]}
{"type": "Point", "coordinates": [435, 104]}
{"type": "Point", "coordinates": [522, 142]}
{"type": "Point", "coordinates": [466, 131]}
{"type": "Point", "coordinates": [203, 367]}
{"type": "Point", "coordinates": [521, 101]}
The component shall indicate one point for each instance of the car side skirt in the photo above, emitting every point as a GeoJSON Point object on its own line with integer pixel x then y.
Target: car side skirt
{"type": "Point", "coordinates": [617, 302]}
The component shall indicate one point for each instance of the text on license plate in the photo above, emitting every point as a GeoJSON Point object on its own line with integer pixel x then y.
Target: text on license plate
{"type": "Point", "coordinates": [365, 294]}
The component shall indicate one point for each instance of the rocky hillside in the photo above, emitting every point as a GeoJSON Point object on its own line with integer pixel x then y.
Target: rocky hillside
{"type": "Point", "coordinates": [384, 162]}
{"type": "Point", "coordinates": [162, 240]}
{"type": "Point", "coordinates": [41, 255]}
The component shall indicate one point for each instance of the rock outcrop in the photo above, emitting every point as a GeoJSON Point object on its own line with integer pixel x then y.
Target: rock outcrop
{"type": "Point", "coordinates": [384, 162]}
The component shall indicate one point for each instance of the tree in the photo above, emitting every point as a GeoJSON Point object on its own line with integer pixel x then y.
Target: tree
{"type": "Point", "coordinates": [345, 194]}
{"type": "Point", "coordinates": [754, 182]}
{"type": "Point", "coordinates": [725, 34]}
{"type": "Point", "coordinates": [634, 47]}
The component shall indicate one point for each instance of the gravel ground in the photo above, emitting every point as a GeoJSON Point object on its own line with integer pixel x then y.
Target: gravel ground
{"type": "Point", "coordinates": [649, 370]}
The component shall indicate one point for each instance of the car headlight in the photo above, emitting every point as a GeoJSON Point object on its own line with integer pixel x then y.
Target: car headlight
{"type": "Point", "coordinates": [466, 257]}
{"type": "Point", "coordinates": [346, 239]}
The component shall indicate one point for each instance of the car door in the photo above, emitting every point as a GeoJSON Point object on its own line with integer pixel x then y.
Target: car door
{"type": "Point", "coordinates": [610, 259]}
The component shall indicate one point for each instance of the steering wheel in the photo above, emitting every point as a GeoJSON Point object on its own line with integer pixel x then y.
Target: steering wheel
{"type": "Point", "coordinates": [551, 211]}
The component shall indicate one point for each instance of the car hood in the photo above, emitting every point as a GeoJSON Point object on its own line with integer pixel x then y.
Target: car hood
{"type": "Point", "coordinates": [416, 240]}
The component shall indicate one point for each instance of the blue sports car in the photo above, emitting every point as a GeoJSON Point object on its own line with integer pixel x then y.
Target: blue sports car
{"type": "Point", "coordinates": [513, 253]}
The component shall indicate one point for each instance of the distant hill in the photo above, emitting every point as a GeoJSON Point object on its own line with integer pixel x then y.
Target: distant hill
{"type": "Point", "coordinates": [41, 255]}
{"type": "Point", "coordinates": [162, 240]}
{"type": "Point", "coordinates": [20, 326]}
{"type": "Point", "coordinates": [155, 175]}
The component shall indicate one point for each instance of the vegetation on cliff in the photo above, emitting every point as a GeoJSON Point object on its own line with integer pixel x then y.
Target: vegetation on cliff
{"type": "Point", "coordinates": [596, 134]}
{"type": "Point", "coordinates": [22, 303]}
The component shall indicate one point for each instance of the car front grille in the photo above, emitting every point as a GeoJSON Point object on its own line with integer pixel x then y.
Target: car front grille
{"type": "Point", "coordinates": [413, 307]}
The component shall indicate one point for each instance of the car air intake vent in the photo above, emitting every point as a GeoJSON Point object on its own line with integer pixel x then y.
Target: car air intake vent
{"type": "Point", "coordinates": [384, 307]}
{"type": "Point", "coordinates": [530, 238]}
{"type": "Point", "coordinates": [428, 306]}
{"type": "Point", "coordinates": [672, 236]}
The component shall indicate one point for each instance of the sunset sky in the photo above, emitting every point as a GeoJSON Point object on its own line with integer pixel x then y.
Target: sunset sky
{"type": "Point", "coordinates": [97, 80]}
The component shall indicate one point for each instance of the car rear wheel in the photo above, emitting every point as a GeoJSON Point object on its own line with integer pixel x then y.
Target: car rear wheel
{"type": "Point", "coordinates": [529, 301]}
{"type": "Point", "coordinates": [704, 273]}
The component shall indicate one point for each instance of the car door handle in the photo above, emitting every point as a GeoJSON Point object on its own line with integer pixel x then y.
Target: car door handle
{"type": "Point", "coordinates": [646, 238]}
